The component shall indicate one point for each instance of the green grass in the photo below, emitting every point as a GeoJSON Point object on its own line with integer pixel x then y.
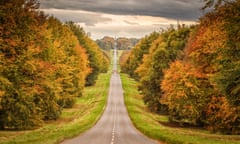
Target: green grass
{"type": "Point", "coordinates": [149, 123]}
{"type": "Point", "coordinates": [119, 55]}
{"type": "Point", "coordinates": [72, 122]}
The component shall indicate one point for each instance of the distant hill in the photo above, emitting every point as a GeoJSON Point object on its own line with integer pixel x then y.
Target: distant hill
{"type": "Point", "coordinates": [123, 43]}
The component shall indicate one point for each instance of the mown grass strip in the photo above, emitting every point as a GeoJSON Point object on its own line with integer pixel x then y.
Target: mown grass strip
{"type": "Point", "coordinates": [74, 121]}
{"type": "Point", "coordinates": [149, 123]}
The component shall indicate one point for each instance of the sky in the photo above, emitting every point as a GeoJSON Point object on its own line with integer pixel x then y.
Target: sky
{"type": "Point", "coordinates": [124, 18]}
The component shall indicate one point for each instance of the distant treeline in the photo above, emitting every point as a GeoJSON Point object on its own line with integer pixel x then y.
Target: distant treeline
{"type": "Point", "coordinates": [44, 65]}
{"type": "Point", "coordinates": [107, 43]}
{"type": "Point", "coordinates": [192, 73]}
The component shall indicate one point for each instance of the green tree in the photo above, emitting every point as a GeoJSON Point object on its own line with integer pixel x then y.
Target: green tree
{"type": "Point", "coordinates": [106, 43]}
{"type": "Point", "coordinates": [137, 53]}
{"type": "Point", "coordinates": [163, 51]}
{"type": "Point", "coordinates": [227, 78]}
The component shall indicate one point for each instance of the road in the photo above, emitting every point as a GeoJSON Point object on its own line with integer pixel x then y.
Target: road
{"type": "Point", "coordinates": [115, 126]}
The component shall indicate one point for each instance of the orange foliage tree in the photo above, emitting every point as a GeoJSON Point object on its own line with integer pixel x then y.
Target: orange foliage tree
{"type": "Point", "coordinates": [211, 68]}
{"type": "Point", "coordinates": [185, 92]}
{"type": "Point", "coordinates": [42, 68]}
{"type": "Point", "coordinates": [165, 49]}
{"type": "Point", "coordinates": [137, 53]}
{"type": "Point", "coordinates": [98, 61]}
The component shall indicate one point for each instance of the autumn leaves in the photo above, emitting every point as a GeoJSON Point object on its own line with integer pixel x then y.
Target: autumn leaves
{"type": "Point", "coordinates": [192, 73]}
{"type": "Point", "coordinates": [44, 65]}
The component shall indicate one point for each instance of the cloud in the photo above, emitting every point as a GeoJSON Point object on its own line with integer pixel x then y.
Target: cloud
{"type": "Point", "coordinates": [129, 26]}
{"type": "Point", "coordinates": [77, 16]}
{"type": "Point", "coordinates": [131, 23]}
{"type": "Point", "coordinates": [124, 18]}
{"type": "Point", "coordinates": [173, 9]}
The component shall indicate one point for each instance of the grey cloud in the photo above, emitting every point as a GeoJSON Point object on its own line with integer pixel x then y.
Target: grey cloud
{"type": "Point", "coordinates": [122, 31]}
{"type": "Point", "coordinates": [79, 11]}
{"type": "Point", "coordinates": [90, 19]}
{"type": "Point", "coordinates": [172, 9]}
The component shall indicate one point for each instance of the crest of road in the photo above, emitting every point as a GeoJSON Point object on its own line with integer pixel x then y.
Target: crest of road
{"type": "Point", "coordinates": [115, 126]}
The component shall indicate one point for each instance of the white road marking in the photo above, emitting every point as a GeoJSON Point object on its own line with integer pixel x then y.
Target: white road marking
{"type": "Point", "coordinates": [114, 125]}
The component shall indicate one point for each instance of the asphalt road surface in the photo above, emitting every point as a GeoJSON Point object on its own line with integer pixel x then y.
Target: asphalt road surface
{"type": "Point", "coordinates": [115, 126]}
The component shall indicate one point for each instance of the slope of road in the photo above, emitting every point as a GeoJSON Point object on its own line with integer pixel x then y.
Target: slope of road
{"type": "Point", "coordinates": [114, 127]}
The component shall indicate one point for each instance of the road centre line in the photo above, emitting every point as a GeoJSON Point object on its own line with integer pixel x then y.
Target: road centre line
{"type": "Point", "coordinates": [114, 124]}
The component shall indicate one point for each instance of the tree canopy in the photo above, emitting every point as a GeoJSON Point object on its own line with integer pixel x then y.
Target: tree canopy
{"type": "Point", "coordinates": [43, 65]}
{"type": "Point", "coordinates": [192, 73]}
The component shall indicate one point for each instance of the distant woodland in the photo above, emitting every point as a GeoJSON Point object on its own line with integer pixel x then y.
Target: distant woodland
{"type": "Point", "coordinates": [107, 43]}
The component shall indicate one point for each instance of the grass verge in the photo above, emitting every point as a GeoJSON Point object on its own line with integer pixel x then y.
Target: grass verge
{"type": "Point", "coordinates": [149, 123]}
{"type": "Point", "coordinates": [72, 122]}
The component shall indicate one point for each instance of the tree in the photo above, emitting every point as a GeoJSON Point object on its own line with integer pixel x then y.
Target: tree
{"type": "Point", "coordinates": [137, 53]}
{"type": "Point", "coordinates": [203, 87]}
{"type": "Point", "coordinates": [185, 93]}
{"type": "Point", "coordinates": [43, 67]}
{"type": "Point", "coordinates": [227, 77]}
{"type": "Point", "coordinates": [221, 116]}
{"type": "Point", "coordinates": [97, 60]}
{"type": "Point", "coordinates": [123, 59]}
{"type": "Point", "coordinates": [106, 43]}
{"type": "Point", "coordinates": [216, 3]}
{"type": "Point", "coordinates": [164, 50]}
{"type": "Point", "coordinates": [19, 25]}
{"type": "Point", "coordinates": [70, 60]}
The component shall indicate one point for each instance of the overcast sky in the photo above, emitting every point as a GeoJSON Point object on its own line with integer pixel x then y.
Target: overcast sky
{"type": "Point", "coordinates": [124, 18]}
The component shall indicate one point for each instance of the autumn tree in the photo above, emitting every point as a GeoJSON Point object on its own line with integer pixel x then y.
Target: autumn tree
{"type": "Point", "coordinates": [137, 53]}
{"type": "Point", "coordinates": [227, 77]}
{"type": "Point", "coordinates": [19, 26]}
{"type": "Point", "coordinates": [123, 58]}
{"type": "Point", "coordinates": [215, 3]}
{"type": "Point", "coordinates": [70, 60]}
{"type": "Point", "coordinates": [43, 67]}
{"type": "Point", "coordinates": [185, 93]}
{"type": "Point", "coordinates": [97, 60]}
{"type": "Point", "coordinates": [165, 49]}
{"type": "Point", "coordinates": [208, 74]}
{"type": "Point", "coordinates": [122, 43]}
{"type": "Point", "coordinates": [106, 43]}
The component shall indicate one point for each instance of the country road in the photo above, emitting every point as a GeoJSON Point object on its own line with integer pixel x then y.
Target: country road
{"type": "Point", "coordinates": [115, 126]}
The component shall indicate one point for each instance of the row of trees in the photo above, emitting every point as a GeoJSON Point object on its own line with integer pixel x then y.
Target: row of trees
{"type": "Point", "coordinates": [150, 58]}
{"type": "Point", "coordinates": [98, 59]}
{"type": "Point", "coordinates": [122, 43]}
{"type": "Point", "coordinates": [43, 65]}
{"type": "Point", "coordinates": [136, 55]}
{"type": "Point", "coordinates": [192, 73]}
